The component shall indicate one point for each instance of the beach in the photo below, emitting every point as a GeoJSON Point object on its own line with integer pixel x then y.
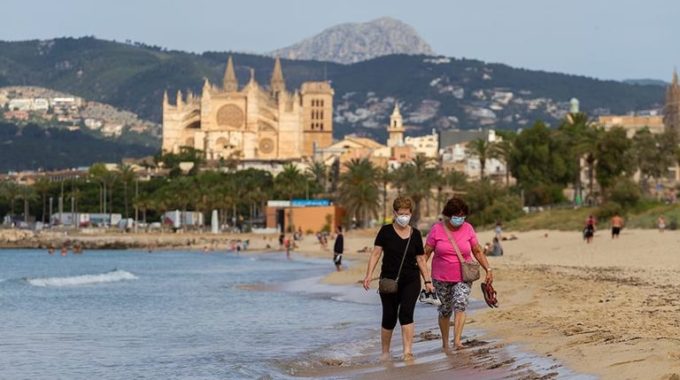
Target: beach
{"type": "Point", "coordinates": [610, 308]}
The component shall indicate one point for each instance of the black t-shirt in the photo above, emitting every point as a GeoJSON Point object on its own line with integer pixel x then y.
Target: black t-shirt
{"type": "Point", "coordinates": [339, 244]}
{"type": "Point", "coordinates": [393, 250]}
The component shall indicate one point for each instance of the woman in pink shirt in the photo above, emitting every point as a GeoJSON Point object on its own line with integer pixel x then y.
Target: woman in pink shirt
{"type": "Point", "coordinates": [446, 269]}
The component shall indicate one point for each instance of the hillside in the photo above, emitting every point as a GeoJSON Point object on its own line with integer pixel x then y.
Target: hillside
{"type": "Point", "coordinates": [434, 92]}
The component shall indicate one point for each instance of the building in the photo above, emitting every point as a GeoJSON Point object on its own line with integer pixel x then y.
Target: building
{"type": "Point", "coordinates": [307, 215]}
{"type": "Point", "coordinates": [251, 122]}
{"type": "Point", "coordinates": [632, 123]}
{"type": "Point", "coordinates": [671, 111]}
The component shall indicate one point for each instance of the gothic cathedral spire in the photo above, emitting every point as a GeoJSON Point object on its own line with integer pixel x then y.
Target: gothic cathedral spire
{"type": "Point", "coordinates": [278, 84]}
{"type": "Point", "coordinates": [230, 82]}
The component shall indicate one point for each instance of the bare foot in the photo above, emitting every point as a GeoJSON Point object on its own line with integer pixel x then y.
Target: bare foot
{"type": "Point", "coordinates": [385, 357]}
{"type": "Point", "coordinates": [408, 357]}
{"type": "Point", "coordinates": [459, 346]}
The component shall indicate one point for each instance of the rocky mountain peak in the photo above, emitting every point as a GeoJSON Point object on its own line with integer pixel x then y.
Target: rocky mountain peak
{"type": "Point", "coordinates": [354, 42]}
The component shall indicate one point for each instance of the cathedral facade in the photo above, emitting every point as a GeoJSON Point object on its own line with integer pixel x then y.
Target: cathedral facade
{"type": "Point", "coordinates": [252, 122]}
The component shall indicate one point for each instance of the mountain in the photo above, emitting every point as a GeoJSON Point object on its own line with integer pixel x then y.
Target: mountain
{"type": "Point", "coordinates": [433, 91]}
{"type": "Point", "coordinates": [355, 42]}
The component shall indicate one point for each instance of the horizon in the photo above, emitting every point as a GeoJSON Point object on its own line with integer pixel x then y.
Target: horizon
{"type": "Point", "coordinates": [539, 39]}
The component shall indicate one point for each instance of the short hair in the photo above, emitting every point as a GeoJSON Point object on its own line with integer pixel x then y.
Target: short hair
{"type": "Point", "coordinates": [455, 206]}
{"type": "Point", "coordinates": [339, 227]}
{"type": "Point", "coordinates": [402, 202]}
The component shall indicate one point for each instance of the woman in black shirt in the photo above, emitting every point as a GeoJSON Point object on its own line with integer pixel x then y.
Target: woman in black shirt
{"type": "Point", "coordinates": [393, 239]}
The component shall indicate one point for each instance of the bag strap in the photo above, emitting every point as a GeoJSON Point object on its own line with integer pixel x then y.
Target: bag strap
{"type": "Point", "coordinates": [404, 256]}
{"type": "Point", "coordinates": [453, 242]}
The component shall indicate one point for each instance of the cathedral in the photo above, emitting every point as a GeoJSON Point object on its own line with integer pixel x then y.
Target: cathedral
{"type": "Point", "coordinates": [251, 122]}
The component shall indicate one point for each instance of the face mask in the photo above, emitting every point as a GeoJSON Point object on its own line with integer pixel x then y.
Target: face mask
{"type": "Point", "coordinates": [403, 219]}
{"type": "Point", "coordinates": [457, 221]}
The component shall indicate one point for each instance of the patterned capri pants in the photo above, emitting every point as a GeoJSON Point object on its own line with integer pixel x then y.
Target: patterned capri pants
{"type": "Point", "coordinates": [453, 295]}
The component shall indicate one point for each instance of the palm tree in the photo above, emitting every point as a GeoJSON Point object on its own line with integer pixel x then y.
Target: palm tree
{"type": "Point", "coordinates": [319, 174]}
{"type": "Point", "coordinates": [98, 173]}
{"type": "Point", "coordinates": [290, 183]}
{"type": "Point", "coordinates": [480, 148]}
{"type": "Point", "coordinates": [503, 150]}
{"type": "Point", "coordinates": [127, 176]}
{"type": "Point", "coordinates": [10, 191]}
{"type": "Point", "coordinates": [28, 195]}
{"type": "Point", "coordinates": [416, 180]}
{"type": "Point", "coordinates": [42, 186]}
{"type": "Point", "coordinates": [358, 190]}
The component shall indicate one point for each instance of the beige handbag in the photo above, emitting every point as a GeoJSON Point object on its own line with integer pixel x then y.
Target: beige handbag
{"type": "Point", "coordinates": [469, 269]}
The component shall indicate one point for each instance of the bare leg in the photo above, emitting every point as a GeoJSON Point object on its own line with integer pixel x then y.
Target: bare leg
{"type": "Point", "coordinates": [385, 340]}
{"type": "Point", "coordinates": [444, 329]}
{"type": "Point", "coordinates": [458, 323]}
{"type": "Point", "coordinates": [407, 340]}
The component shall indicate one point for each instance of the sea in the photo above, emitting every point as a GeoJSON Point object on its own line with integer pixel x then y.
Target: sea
{"type": "Point", "coordinates": [182, 315]}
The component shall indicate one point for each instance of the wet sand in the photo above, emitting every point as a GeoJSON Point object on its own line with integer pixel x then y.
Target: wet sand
{"type": "Point", "coordinates": [610, 308]}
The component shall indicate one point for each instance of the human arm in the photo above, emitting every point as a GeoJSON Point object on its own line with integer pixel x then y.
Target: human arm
{"type": "Point", "coordinates": [372, 263]}
{"type": "Point", "coordinates": [425, 272]}
{"type": "Point", "coordinates": [479, 255]}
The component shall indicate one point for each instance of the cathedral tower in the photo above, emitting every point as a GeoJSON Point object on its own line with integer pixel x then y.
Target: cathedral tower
{"type": "Point", "coordinates": [395, 130]}
{"type": "Point", "coordinates": [230, 83]}
{"type": "Point", "coordinates": [317, 117]}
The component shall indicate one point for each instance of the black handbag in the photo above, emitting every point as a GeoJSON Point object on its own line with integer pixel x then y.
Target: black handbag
{"type": "Point", "coordinates": [388, 285]}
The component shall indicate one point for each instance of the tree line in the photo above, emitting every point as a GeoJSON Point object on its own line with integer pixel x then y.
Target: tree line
{"type": "Point", "coordinates": [543, 161]}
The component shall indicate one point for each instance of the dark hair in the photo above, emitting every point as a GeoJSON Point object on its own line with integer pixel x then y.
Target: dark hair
{"type": "Point", "coordinates": [339, 228]}
{"type": "Point", "coordinates": [455, 206]}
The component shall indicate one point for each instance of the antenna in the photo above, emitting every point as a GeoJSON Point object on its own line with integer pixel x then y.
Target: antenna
{"type": "Point", "coordinates": [325, 76]}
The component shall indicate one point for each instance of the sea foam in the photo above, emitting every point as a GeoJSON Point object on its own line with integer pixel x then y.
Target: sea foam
{"type": "Point", "coordinates": [86, 279]}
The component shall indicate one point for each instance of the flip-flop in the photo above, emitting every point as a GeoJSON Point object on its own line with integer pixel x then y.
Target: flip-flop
{"type": "Point", "coordinates": [489, 295]}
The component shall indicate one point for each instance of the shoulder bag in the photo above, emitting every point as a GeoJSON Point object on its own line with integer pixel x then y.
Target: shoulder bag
{"type": "Point", "coordinates": [469, 269]}
{"type": "Point", "coordinates": [388, 285]}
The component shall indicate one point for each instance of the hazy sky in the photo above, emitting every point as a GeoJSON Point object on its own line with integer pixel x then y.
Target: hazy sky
{"type": "Point", "coordinates": [615, 39]}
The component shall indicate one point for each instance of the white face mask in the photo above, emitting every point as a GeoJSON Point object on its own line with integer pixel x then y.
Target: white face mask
{"type": "Point", "coordinates": [403, 220]}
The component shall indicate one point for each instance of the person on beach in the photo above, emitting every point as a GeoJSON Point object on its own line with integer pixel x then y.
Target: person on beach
{"type": "Point", "coordinates": [499, 230]}
{"type": "Point", "coordinates": [338, 248]}
{"type": "Point", "coordinates": [617, 225]}
{"type": "Point", "coordinates": [447, 278]}
{"type": "Point", "coordinates": [287, 244]}
{"type": "Point", "coordinates": [589, 229]}
{"type": "Point", "coordinates": [661, 223]}
{"type": "Point", "coordinates": [393, 241]}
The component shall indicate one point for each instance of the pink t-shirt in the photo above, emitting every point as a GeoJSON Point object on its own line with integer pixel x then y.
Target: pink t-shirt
{"type": "Point", "coordinates": [445, 264]}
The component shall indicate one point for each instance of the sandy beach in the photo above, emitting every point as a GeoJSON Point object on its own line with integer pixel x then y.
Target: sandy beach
{"type": "Point", "coordinates": [610, 308]}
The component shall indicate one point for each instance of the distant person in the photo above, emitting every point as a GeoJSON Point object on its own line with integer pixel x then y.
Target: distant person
{"type": "Point", "coordinates": [499, 230]}
{"type": "Point", "coordinates": [496, 248]}
{"type": "Point", "coordinates": [50, 249]}
{"type": "Point", "coordinates": [64, 250]}
{"type": "Point", "coordinates": [338, 248]}
{"type": "Point", "coordinates": [447, 276]}
{"type": "Point", "coordinates": [589, 229]}
{"type": "Point", "coordinates": [287, 243]}
{"type": "Point", "coordinates": [661, 223]}
{"type": "Point", "coordinates": [617, 225]}
{"type": "Point", "coordinates": [487, 248]}
{"type": "Point", "coordinates": [403, 261]}
{"type": "Point", "coordinates": [281, 238]}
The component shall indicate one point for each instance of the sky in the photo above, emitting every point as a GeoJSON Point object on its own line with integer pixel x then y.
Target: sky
{"type": "Point", "coordinates": [617, 39]}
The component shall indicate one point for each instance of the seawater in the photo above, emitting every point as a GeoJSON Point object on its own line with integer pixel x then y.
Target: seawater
{"type": "Point", "coordinates": [165, 315]}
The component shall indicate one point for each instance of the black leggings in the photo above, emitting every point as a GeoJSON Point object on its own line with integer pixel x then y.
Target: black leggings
{"type": "Point", "coordinates": [400, 304]}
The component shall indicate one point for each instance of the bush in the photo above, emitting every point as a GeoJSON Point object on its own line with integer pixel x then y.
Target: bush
{"type": "Point", "coordinates": [608, 209]}
{"type": "Point", "coordinates": [543, 194]}
{"type": "Point", "coordinates": [624, 192]}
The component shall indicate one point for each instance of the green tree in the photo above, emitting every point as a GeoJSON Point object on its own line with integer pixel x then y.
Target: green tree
{"type": "Point", "coordinates": [416, 180]}
{"type": "Point", "coordinates": [482, 149]}
{"type": "Point", "coordinates": [614, 158]}
{"type": "Point", "coordinates": [126, 174]}
{"type": "Point", "coordinates": [358, 191]}
{"type": "Point", "coordinates": [11, 192]}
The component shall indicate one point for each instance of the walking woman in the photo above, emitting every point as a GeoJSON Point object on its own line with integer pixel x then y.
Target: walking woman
{"type": "Point", "coordinates": [403, 261]}
{"type": "Point", "coordinates": [446, 268]}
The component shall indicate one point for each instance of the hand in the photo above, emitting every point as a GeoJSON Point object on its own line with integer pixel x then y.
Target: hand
{"type": "Point", "coordinates": [489, 277]}
{"type": "Point", "coordinates": [429, 288]}
{"type": "Point", "coordinates": [367, 282]}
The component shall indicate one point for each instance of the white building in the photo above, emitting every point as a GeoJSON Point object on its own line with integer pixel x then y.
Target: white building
{"type": "Point", "coordinates": [427, 145]}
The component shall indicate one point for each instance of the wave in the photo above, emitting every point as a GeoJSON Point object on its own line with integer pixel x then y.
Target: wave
{"type": "Point", "coordinates": [86, 279]}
